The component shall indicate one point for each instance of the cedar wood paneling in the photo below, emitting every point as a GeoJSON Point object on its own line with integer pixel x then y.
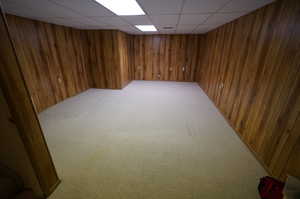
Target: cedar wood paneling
{"type": "Point", "coordinates": [108, 58]}
{"type": "Point", "coordinates": [251, 71]}
{"type": "Point", "coordinates": [52, 59]}
{"type": "Point", "coordinates": [23, 115]}
{"type": "Point", "coordinates": [165, 57]}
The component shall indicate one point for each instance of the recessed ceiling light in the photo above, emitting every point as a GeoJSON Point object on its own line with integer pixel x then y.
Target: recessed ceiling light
{"type": "Point", "coordinates": [146, 28]}
{"type": "Point", "coordinates": [122, 7]}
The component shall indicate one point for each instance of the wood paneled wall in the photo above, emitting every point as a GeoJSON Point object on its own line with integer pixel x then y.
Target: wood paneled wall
{"type": "Point", "coordinates": [52, 59]}
{"type": "Point", "coordinates": [125, 51]}
{"type": "Point", "coordinates": [165, 57]}
{"type": "Point", "coordinates": [108, 58]}
{"type": "Point", "coordinates": [293, 167]}
{"type": "Point", "coordinates": [23, 116]}
{"type": "Point", "coordinates": [59, 62]}
{"type": "Point", "coordinates": [13, 154]}
{"type": "Point", "coordinates": [251, 70]}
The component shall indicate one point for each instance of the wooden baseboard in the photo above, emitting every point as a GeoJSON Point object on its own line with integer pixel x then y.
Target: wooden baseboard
{"type": "Point", "coordinates": [52, 189]}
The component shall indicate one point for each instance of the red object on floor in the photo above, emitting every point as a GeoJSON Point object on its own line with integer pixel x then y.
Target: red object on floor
{"type": "Point", "coordinates": [270, 188]}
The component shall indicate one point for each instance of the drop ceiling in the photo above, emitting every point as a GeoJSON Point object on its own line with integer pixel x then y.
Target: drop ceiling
{"type": "Point", "coordinates": [184, 16]}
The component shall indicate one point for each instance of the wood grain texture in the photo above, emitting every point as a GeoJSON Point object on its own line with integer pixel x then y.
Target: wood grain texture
{"type": "Point", "coordinates": [250, 69]}
{"type": "Point", "coordinates": [293, 168]}
{"type": "Point", "coordinates": [165, 57]}
{"type": "Point", "coordinates": [52, 59]}
{"type": "Point", "coordinates": [108, 58]}
{"type": "Point", "coordinates": [125, 52]}
{"type": "Point", "coordinates": [23, 114]}
{"type": "Point", "coordinates": [12, 151]}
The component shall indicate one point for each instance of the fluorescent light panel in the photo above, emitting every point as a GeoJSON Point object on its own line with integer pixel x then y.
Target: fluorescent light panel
{"type": "Point", "coordinates": [122, 7]}
{"type": "Point", "coordinates": [146, 28]}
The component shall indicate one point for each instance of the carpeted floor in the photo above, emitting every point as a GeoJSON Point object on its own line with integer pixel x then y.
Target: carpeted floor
{"type": "Point", "coordinates": [151, 140]}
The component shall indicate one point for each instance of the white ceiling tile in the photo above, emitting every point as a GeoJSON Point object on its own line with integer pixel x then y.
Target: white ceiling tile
{"type": "Point", "coordinates": [87, 27]}
{"type": "Point", "coordinates": [148, 33]}
{"type": "Point", "coordinates": [107, 28]}
{"type": "Point", "coordinates": [203, 6]}
{"type": "Point", "coordinates": [10, 6]}
{"type": "Point", "coordinates": [167, 32]}
{"type": "Point", "coordinates": [18, 11]}
{"type": "Point", "coordinates": [84, 27]}
{"type": "Point", "coordinates": [193, 19]}
{"type": "Point", "coordinates": [63, 21]}
{"type": "Point", "coordinates": [245, 5]}
{"type": "Point", "coordinates": [184, 32]}
{"type": "Point", "coordinates": [222, 18]}
{"type": "Point", "coordinates": [74, 22]}
{"type": "Point", "coordinates": [161, 6]}
{"type": "Point", "coordinates": [186, 28]}
{"type": "Point", "coordinates": [165, 20]}
{"type": "Point", "coordinates": [9, 3]}
{"type": "Point", "coordinates": [205, 28]}
{"type": "Point", "coordinates": [163, 13]}
{"type": "Point", "coordinates": [114, 21]}
{"type": "Point", "coordinates": [85, 7]}
{"type": "Point", "coordinates": [92, 22]}
{"type": "Point", "coordinates": [128, 28]}
{"type": "Point", "coordinates": [137, 20]}
{"type": "Point", "coordinates": [43, 8]}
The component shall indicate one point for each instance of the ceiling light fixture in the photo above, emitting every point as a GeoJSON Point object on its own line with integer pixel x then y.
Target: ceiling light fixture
{"type": "Point", "coordinates": [122, 7]}
{"type": "Point", "coordinates": [146, 28]}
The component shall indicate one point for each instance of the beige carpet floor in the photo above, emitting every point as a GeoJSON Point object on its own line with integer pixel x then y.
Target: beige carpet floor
{"type": "Point", "coordinates": [151, 140]}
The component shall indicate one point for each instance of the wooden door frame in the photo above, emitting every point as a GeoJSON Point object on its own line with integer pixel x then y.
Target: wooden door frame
{"type": "Point", "coordinates": [24, 115]}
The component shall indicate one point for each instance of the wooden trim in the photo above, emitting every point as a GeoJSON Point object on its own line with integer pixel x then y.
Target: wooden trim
{"type": "Point", "coordinates": [53, 188]}
{"type": "Point", "coordinates": [240, 137]}
{"type": "Point", "coordinates": [23, 112]}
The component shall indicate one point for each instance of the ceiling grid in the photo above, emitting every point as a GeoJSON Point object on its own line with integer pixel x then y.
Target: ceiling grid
{"type": "Point", "coordinates": [168, 16]}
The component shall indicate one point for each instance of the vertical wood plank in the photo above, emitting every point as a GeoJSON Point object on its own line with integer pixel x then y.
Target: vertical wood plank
{"type": "Point", "coordinates": [52, 60]}
{"type": "Point", "coordinates": [23, 113]}
{"type": "Point", "coordinates": [250, 69]}
{"type": "Point", "coordinates": [166, 57]}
